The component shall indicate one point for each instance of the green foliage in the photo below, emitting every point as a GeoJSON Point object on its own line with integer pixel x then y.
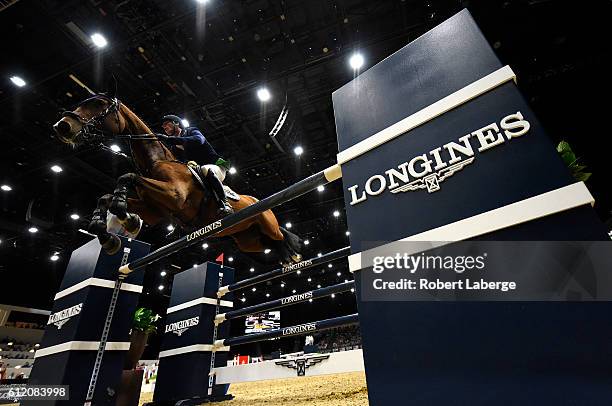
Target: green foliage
{"type": "Point", "coordinates": [567, 154]}
{"type": "Point", "coordinates": [144, 320]}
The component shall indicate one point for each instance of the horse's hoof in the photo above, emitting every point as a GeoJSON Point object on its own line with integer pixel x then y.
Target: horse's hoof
{"type": "Point", "coordinates": [112, 245]}
{"type": "Point", "coordinates": [296, 257]}
{"type": "Point", "coordinates": [96, 227]}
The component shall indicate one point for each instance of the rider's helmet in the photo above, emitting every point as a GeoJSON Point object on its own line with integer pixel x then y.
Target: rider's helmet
{"type": "Point", "coordinates": [174, 119]}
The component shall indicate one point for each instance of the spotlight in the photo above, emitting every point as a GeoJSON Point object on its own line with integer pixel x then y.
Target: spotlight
{"type": "Point", "coordinates": [99, 40]}
{"type": "Point", "coordinates": [56, 168]}
{"type": "Point", "coordinates": [353, 290]}
{"type": "Point", "coordinates": [338, 274]}
{"type": "Point", "coordinates": [254, 289]}
{"type": "Point", "coordinates": [319, 255]}
{"type": "Point", "coordinates": [336, 213]}
{"type": "Point", "coordinates": [6, 188]}
{"type": "Point", "coordinates": [288, 225]}
{"type": "Point", "coordinates": [293, 291]}
{"type": "Point", "coordinates": [299, 272]}
{"type": "Point", "coordinates": [170, 227]}
{"type": "Point", "coordinates": [347, 233]}
{"type": "Point", "coordinates": [205, 245]}
{"type": "Point", "coordinates": [163, 273]}
{"type": "Point", "coordinates": [33, 230]}
{"type": "Point", "coordinates": [282, 285]}
{"type": "Point", "coordinates": [318, 286]}
{"type": "Point", "coordinates": [232, 170]}
{"type": "Point", "coordinates": [115, 148]}
{"type": "Point", "coordinates": [252, 269]}
{"type": "Point", "coordinates": [185, 123]}
{"type": "Point", "coordinates": [264, 94]}
{"type": "Point", "coordinates": [320, 188]}
{"type": "Point", "coordinates": [333, 295]}
{"type": "Point", "coordinates": [309, 279]}
{"type": "Point", "coordinates": [298, 150]}
{"type": "Point", "coordinates": [267, 251]}
{"type": "Point", "coordinates": [54, 257]}
{"type": "Point", "coordinates": [230, 259]}
{"type": "Point", "coordinates": [310, 300]}
{"type": "Point", "coordinates": [160, 287]}
{"type": "Point", "coordinates": [329, 265]}
{"type": "Point", "coordinates": [356, 61]}
{"type": "Point", "coordinates": [306, 242]}
{"type": "Point", "coordinates": [75, 216]}
{"type": "Point", "coordinates": [267, 295]}
{"type": "Point", "coordinates": [17, 81]}
{"type": "Point", "coordinates": [242, 299]}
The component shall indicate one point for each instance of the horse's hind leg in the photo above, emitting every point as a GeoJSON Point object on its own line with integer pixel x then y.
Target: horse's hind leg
{"type": "Point", "coordinates": [249, 240]}
{"type": "Point", "coordinates": [268, 224]}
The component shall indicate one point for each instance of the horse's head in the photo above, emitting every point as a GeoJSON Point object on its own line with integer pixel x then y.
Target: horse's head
{"type": "Point", "coordinates": [92, 119]}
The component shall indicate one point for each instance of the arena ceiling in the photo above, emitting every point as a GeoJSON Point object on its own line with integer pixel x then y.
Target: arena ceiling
{"type": "Point", "coordinates": [204, 62]}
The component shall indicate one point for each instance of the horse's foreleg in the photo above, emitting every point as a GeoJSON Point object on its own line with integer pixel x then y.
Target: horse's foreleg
{"type": "Point", "coordinates": [118, 205]}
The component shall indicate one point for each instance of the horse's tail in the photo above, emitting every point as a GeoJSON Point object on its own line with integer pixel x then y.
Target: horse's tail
{"type": "Point", "coordinates": [292, 240]}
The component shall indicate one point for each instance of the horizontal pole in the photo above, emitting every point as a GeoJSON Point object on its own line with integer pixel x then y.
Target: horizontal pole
{"type": "Point", "coordinates": [286, 301]}
{"type": "Point", "coordinates": [304, 186]}
{"type": "Point", "coordinates": [286, 270]}
{"type": "Point", "coordinates": [301, 329]}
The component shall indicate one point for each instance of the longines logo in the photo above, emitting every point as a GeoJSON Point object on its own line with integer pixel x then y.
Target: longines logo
{"type": "Point", "coordinates": [302, 328]}
{"type": "Point", "coordinates": [62, 317]}
{"type": "Point", "coordinates": [179, 327]}
{"type": "Point", "coordinates": [302, 363]}
{"type": "Point", "coordinates": [428, 170]}
{"type": "Point", "coordinates": [204, 230]}
{"type": "Point", "coordinates": [299, 265]}
{"type": "Point", "coordinates": [296, 298]}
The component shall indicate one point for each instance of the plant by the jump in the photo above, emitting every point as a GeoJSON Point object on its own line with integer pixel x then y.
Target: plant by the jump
{"type": "Point", "coordinates": [567, 154]}
{"type": "Point", "coordinates": [144, 320]}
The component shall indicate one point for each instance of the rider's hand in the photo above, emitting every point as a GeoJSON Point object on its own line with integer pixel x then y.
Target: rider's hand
{"type": "Point", "coordinates": [162, 137]}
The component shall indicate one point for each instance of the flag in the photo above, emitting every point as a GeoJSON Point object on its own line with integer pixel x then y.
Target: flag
{"type": "Point", "coordinates": [220, 258]}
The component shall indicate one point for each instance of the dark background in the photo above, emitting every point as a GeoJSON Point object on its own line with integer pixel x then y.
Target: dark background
{"type": "Point", "coordinates": [205, 63]}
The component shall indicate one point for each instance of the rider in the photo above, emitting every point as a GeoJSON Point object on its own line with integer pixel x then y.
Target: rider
{"type": "Point", "coordinates": [197, 149]}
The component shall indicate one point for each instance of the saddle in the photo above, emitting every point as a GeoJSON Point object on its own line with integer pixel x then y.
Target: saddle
{"type": "Point", "coordinates": [196, 171]}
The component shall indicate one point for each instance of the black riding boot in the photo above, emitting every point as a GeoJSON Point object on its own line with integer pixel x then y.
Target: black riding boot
{"type": "Point", "coordinates": [224, 208]}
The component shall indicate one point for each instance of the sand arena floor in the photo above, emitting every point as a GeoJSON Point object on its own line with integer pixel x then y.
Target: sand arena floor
{"type": "Point", "coordinates": [324, 390]}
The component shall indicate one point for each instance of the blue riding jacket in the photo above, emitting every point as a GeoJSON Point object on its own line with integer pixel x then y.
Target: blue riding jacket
{"type": "Point", "coordinates": [195, 147]}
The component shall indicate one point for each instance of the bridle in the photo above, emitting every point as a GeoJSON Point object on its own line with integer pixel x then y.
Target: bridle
{"type": "Point", "coordinates": [91, 128]}
{"type": "Point", "coordinates": [92, 131]}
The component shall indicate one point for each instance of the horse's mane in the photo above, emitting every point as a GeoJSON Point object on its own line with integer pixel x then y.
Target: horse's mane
{"type": "Point", "coordinates": [135, 126]}
{"type": "Point", "coordinates": [145, 152]}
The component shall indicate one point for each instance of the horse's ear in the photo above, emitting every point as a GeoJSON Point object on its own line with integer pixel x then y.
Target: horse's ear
{"type": "Point", "coordinates": [115, 87]}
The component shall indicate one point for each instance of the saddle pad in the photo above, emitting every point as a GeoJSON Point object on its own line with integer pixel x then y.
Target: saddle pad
{"type": "Point", "coordinates": [231, 194]}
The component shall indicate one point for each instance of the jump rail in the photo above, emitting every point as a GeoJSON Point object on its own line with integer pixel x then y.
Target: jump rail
{"type": "Point", "coordinates": [304, 186]}
{"type": "Point", "coordinates": [285, 301]}
{"type": "Point", "coordinates": [286, 270]}
{"type": "Point", "coordinates": [300, 329]}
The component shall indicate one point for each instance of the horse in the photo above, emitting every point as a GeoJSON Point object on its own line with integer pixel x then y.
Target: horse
{"type": "Point", "coordinates": [164, 187]}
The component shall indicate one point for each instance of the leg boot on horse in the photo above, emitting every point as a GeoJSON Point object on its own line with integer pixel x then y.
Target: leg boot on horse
{"type": "Point", "coordinates": [110, 243]}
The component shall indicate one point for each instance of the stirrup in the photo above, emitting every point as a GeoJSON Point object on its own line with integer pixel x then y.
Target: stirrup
{"type": "Point", "coordinates": [225, 209]}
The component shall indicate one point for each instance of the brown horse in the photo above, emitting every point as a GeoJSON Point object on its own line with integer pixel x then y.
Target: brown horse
{"type": "Point", "coordinates": [165, 187]}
